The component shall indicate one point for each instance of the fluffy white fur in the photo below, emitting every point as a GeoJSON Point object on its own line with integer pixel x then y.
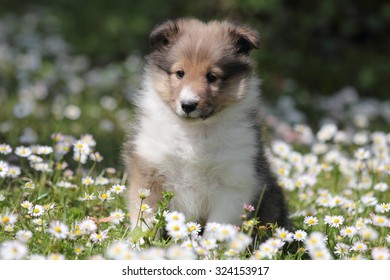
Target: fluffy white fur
{"type": "Point", "coordinates": [208, 164]}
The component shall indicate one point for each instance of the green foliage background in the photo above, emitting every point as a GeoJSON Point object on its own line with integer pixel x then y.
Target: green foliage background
{"type": "Point", "coordinates": [319, 45]}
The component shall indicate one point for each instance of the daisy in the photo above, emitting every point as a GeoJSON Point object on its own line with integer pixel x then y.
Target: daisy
{"type": "Point", "coordinates": [319, 149]}
{"type": "Point", "coordinates": [360, 138]}
{"type": "Point", "coordinates": [152, 254]}
{"type": "Point", "coordinates": [287, 184]}
{"type": "Point", "coordinates": [382, 187]}
{"type": "Point", "coordinates": [380, 221]}
{"type": "Point", "coordinates": [310, 221]}
{"type": "Point", "coordinates": [36, 210]}
{"type": "Point", "coordinates": [275, 242]}
{"type": "Point", "coordinates": [87, 225]}
{"type": "Point", "coordinates": [208, 243]}
{"type": "Point", "coordinates": [49, 206]}
{"type": "Point", "coordinates": [89, 140]}
{"type": "Point", "coordinates": [44, 150]}
{"type": "Point", "coordinates": [320, 254]}
{"type": "Point", "coordinates": [13, 250]}
{"type": "Point", "coordinates": [8, 219]}
{"type": "Point", "coordinates": [26, 205]}
{"type": "Point", "coordinates": [117, 188]}
{"type": "Point", "coordinates": [143, 193]}
{"type": "Point", "coordinates": [29, 185]}
{"type": "Point", "coordinates": [281, 148]}
{"type": "Point", "coordinates": [380, 253]}
{"type": "Point", "coordinates": [145, 208]}
{"type": "Point", "coordinates": [14, 171]}
{"type": "Point", "coordinates": [189, 244]}
{"type": "Point", "coordinates": [284, 234]}
{"type": "Point", "coordinates": [81, 148]}
{"type": "Point", "coordinates": [36, 257]}
{"type": "Point", "coordinates": [88, 197]}
{"type": "Point", "coordinates": [118, 250]}
{"type": "Point", "coordinates": [225, 232]}
{"type": "Point", "coordinates": [55, 257]}
{"type": "Point", "coordinates": [326, 132]}
{"type": "Point", "coordinates": [99, 237]}
{"type": "Point", "coordinates": [257, 255]}
{"type": "Point", "coordinates": [368, 233]}
{"type": "Point", "coordinates": [118, 216]}
{"type": "Point", "coordinates": [24, 235]}
{"type": "Point", "coordinates": [101, 181]}
{"type": "Point", "coordinates": [231, 253]}
{"type": "Point", "coordinates": [300, 235]}
{"type": "Point", "coordinates": [334, 221]}
{"type": "Point", "coordinates": [310, 160]}
{"type": "Point", "coordinates": [5, 149]}
{"type": "Point", "coordinates": [341, 249]}
{"type": "Point", "coordinates": [175, 217]}
{"type": "Point", "coordinates": [9, 228]}
{"type": "Point", "coordinates": [175, 252]}
{"type": "Point", "coordinates": [177, 230]}
{"type": "Point", "coordinates": [201, 252]}
{"type": "Point", "coordinates": [43, 167]}
{"type": "Point", "coordinates": [82, 158]}
{"type": "Point", "coordinates": [323, 201]}
{"type": "Point", "coordinates": [362, 154]}
{"type": "Point", "coordinates": [38, 222]}
{"type": "Point", "coordinates": [267, 250]}
{"type": "Point", "coordinates": [86, 181]}
{"type": "Point", "coordinates": [193, 228]}
{"type": "Point", "coordinates": [96, 156]}
{"type": "Point", "coordinates": [105, 196]}
{"type": "Point", "coordinates": [66, 185]}
{"type": "Point", "coordinates": [315, 240]}
{"type": "Point", "coordinates": [358, 246]}
{"type": "Point", "coordinates": [295, 158]}
{"type": "Point", "coordinates": [336, 201]}
{"type": "Point", "coordinates": [212, 228]}
{"type": "Point", "coordinates": [78, 249]}
{"type": "Point", "coordinates": [349, 231]}
{"type": "Point", "coordinates": [22, 151]}
{"type": "Point", "coordinates": [382, 208]}
{"type": "Point", "coordinates": [58, 229]}
{"type": "Point", "coordinates": [3, 169]}
{"type": "Point", "coordinates": [240, 242]}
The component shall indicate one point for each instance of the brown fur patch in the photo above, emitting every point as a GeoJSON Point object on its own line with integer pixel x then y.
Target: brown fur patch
{"type": "Point", "coordinates": [143, 177]}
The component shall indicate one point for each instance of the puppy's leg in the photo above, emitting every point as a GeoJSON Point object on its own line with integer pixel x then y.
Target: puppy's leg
{"type": "Point", "coordinates": [227, 206]}
{"type": "Point", "coordinates": [273, 207]}
{"type": "Point", "coordinates": [143, 177]}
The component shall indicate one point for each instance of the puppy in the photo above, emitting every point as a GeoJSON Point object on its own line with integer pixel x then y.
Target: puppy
{"type": "Point", "coordinates": [198, 133]}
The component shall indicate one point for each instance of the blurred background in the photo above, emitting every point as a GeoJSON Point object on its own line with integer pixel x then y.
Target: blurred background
{"type": "Point", "coordinates": [73, 66]}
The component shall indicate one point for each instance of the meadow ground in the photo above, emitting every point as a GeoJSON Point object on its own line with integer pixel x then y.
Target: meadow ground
{"type": "Point", "coordinates": [63, 191]}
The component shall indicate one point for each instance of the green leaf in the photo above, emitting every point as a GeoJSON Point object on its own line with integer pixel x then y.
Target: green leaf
{"type": "Point", "coordinates": [137, 234]}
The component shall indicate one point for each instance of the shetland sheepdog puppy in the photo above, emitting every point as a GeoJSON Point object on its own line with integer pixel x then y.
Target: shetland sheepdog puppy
{"type": "Point", "coordinates": [198, 132]}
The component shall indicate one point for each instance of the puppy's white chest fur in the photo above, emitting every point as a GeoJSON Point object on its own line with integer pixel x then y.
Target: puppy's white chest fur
{"type": "Point", "coordinates": [210, 165]}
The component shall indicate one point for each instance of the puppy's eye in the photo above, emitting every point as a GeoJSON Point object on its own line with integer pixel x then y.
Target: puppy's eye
{"type": "Point", "coordinates": [211, 78]}
{"type": "Point", "coordinates": [180, 74]}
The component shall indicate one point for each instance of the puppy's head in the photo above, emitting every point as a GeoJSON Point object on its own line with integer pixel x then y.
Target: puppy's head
{"type": "Point", "coordinates": [199, 69]}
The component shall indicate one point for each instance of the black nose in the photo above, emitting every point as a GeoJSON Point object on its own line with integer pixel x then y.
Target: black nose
{"type": "Point", "coordinates": [189, 107]}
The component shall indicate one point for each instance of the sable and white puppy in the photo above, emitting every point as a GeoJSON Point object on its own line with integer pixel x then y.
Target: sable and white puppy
{"type": "Point", "coordinates": [198, 132]}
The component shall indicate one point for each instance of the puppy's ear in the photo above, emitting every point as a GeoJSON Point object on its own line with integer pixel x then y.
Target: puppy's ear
{"type": "Point", "coordinates": [244, 38]}
{"type": "Point", "coordinates": [164, 34]}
